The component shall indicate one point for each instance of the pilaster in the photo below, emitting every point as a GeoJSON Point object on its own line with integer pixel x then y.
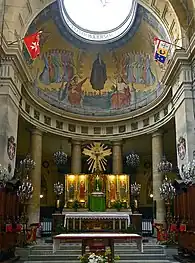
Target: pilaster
{"type": "Point", "coordinates": [117, 159]}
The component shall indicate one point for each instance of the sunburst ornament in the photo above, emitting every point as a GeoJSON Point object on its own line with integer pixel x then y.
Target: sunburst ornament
{"type": "Point", "coordinates": [97, 153]}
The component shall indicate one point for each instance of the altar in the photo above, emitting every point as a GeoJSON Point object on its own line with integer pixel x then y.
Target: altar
{"type": "Point", "coordinates": [97, 192]}
{"type": "Point", "coordinates": [86, 221]}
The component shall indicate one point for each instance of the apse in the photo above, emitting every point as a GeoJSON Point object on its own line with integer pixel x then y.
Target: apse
{"type": "Point", "coordinates": [88, 69]}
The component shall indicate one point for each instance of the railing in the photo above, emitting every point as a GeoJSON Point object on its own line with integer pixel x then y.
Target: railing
{"type": "Point", "coordinates": [147, 228]}
{"type": "Point", "coordinates": [46, 227]}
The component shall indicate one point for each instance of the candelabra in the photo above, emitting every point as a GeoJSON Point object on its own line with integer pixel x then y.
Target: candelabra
{"type": "Point", "coordinates": [58, 190]}
{"type": "Point", "coordinates": [167, 193]}
{"type": "Point", "coordinates": [135, 192]}
{"type": "Point", "coordinates": [165, 166]}
{"type": "Point", "coordinates": [60, 157]}
{"type": "Point", "coordinates": [25, 190]}
{"type": "Point", "coordinates": [188, 172]}
{"type": "Point", "coordinates": [133, 160]}
{"type": "Point", "coordinates": [27, 165]}
{"type": "Point", "coordinates": [5, 176]}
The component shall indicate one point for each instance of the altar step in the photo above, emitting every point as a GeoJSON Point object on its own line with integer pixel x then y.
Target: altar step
{"type": "Point", "coordinates": [128, 253]}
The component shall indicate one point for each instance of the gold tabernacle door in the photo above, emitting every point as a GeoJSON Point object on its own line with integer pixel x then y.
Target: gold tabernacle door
{"type": "Point", "coordinates": [78, 187]}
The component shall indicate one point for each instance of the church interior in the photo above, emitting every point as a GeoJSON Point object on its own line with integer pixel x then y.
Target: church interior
{"type": "Point", "coordinates": [97, 160]}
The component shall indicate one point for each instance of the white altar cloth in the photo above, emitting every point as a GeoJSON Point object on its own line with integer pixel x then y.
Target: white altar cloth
{"type": "Point", "coordinates": [97, 215]}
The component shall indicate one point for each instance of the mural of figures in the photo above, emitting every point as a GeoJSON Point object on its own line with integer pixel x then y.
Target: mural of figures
{"type": "Point", "coordinates": [93, 79]}
{"type": "Point", "coordinates": [112, 188]}
{"type": "Point", "coordinates": [121, 96]}
{"type": "Point", "coordinates": [66, 80]}
{"type": "Point", "coordinates": [58, 67]}
{"type": "Point", "coordinates": [98, 74]}
{"type": "Point", "coordinates": [82, 190]}
{"type": "Point", "coordinates": [138, 69]}
{"type": "Point", "coordinates": [123, 190]}
{"type": "Point", "coordinates": [72, 91]}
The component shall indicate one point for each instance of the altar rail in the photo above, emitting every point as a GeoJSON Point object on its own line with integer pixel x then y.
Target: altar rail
{"type": "Point", "coordinates": [46, 225]}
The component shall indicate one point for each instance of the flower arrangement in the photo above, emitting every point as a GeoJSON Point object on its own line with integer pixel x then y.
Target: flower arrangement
{"type": "Point", "coordinates": [76, 205]}
{"type": "Point", "coordinates": [118, 205]}
{"type": "Point", "coordinates": [98, 257]}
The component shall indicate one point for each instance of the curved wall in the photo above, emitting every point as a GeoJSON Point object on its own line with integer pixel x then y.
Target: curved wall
{"type": "Point", "coordinates": [84, 79]}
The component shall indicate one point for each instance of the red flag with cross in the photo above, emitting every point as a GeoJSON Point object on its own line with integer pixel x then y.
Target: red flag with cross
{"type": "Point", "coordinates": [32, 44]}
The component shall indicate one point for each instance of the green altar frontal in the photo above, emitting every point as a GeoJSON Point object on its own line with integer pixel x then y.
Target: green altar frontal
{"type": "Point", "coordinates": [97, 202]}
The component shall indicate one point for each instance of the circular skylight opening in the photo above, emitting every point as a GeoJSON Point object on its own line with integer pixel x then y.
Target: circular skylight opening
{"type": "Point", "coordinates": [98, 20]}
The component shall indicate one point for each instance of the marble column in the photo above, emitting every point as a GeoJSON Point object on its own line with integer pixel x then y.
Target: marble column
{"type": "Point", "coordinates": [76, 157]}
{"type": "Point", "coordinates": [157, 153]}
{"type": "Point", "coordinates": [117, 159]}
{"type": "Point", "coordinates": [35, 176]}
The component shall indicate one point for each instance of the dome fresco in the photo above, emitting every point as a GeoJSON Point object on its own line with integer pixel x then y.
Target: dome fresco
{"type": "Point", "coordinates": [90, 79]}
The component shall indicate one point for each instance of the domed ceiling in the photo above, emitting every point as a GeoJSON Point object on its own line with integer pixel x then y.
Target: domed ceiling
{"type": "Point", "coordinates": [92, 68]}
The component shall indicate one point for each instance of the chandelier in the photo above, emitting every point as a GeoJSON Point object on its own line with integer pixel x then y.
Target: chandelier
{"type": "Point", "coordinates": [58, 188]}
{"type": "Point", "coordinates": [5, 176]}
{"type": "Point", "coordinates": [165, 166]}
{"type": "Point", "coordinates": [25, 190]}
{"type": "Point", "coordinates": [167, 190]}
{"type": "Point", "coordinates": [133, 160]}
{"type": "Point", "coordinates": [27, 164]}
{"type": "Point", "coordinates": [188, 172]}
{"type": "Point", "coordinates": [135, 189]}
{"type": "Point", "coordinates": [60, 157]}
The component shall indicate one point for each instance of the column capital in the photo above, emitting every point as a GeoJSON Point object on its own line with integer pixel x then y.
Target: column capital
{"type": "Point", "coordinates": [75, 142]}
{"type": "Point", "coordinates": [117, 143]}
{"type": "Point", "coordinates": [35, 131]}
{"type": "Point", "coordinates": [157, 133]}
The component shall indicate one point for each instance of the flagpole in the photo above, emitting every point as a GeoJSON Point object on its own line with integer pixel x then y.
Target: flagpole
{"type": "Point", "coordinates": [15, 41]}
{"type": "Point", "coordinates": [170, 43]}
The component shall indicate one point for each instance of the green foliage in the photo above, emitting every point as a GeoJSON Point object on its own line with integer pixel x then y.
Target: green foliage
{"type": "Point", "coordinates": [60, 229]}
{"type": "Point", "coordinates": [75, 205]}
{"type": "Point", "coordinates": [118, 205]}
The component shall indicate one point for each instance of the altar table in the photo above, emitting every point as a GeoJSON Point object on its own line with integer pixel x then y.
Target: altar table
{"type": "Point", "coordinates": [105, 237]}
{"type": "Point", "coordinates": [115, 216]}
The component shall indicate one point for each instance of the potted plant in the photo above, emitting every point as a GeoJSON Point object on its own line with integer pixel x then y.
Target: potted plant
{"type": "Point", "coordinates": [118, 205]}
{"type": "Point", "coordinates": [75, 205]}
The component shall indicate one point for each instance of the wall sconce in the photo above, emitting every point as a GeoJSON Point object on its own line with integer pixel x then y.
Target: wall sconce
{"type": "Point", "coordinates": [41, 196]}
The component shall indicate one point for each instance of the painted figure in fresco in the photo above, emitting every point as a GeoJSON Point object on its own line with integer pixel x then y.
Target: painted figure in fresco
{"type": "Point", "coordinates": [82, 190]}
{"type": "Point", "coordinates": [130, 69]}
{"type": "Point", "coordinates": [67, 62]}
{"type": "Point", "coordinates": [75, 91]}
{"type": "Point", "coordinates": [71, 191]}
{"type": "Point", "coordinates": [56, 62]}
{"type": "Point", "coordinates": [123, 190]}
{"type": "Point", "coordinates": [149, 77]}
{"type": "Point", "coordinates": [122, 97]}
{"type": "Point", "coordinates": [112, 191]}
{"type": "Point", "coordinates": [98, 74]}
{"type": "Point", "coordinates": [139, 68]}
{"type": "Point", "coordinates": [72, 91]}
{"type": "Point", "coordinates": [44, 76]}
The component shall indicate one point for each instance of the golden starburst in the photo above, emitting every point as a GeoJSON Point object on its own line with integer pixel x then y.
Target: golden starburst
{"type": "Point", "coordinates": [97, 153]}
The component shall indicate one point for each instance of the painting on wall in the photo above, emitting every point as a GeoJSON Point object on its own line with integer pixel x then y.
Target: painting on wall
{"type": "Point", "coordinates": [94, 82]}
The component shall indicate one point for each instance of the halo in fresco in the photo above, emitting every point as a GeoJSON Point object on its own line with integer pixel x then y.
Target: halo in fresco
{"type": "Point", "coordinates": [98, 20]}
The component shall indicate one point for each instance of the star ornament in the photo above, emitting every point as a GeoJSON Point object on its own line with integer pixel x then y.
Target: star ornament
{"type": "Point", "coordinates": [97, 153]}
